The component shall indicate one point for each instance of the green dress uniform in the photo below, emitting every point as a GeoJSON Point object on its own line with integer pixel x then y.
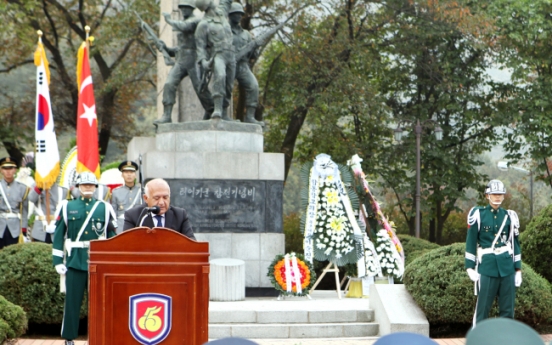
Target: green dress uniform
{"type": "Point", "coordinates": [492, 249]}
{"type": "Point", "coordinates": [72, 249]}
{"type": "Point", "coordinates": [124, 198]}
{"type": "Point", "coordinates": [13, 211]}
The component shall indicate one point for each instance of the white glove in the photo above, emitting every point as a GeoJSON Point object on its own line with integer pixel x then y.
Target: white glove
{"type": "Point", "coordinates": [61, 269]}
{"type": "Point", "coordinates": [51, 228]}
{"type": "Point", "coordinates": [474, 276]}
{"type": "Point", "coordinates": [517, 279]}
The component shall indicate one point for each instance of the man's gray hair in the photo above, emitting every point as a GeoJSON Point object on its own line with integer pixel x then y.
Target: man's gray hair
{"type": "Point", "coordinates": [156, 180]}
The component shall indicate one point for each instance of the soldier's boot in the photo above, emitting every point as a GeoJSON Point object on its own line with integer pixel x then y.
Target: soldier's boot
{"type": "Point", "coordinates": [225, 116]}
{"type": "Point", "coordinates": [250, 117]}
{"type": "Point", "coordinates": [166, 118]}
{"type": "Point", "coordinates": [217, 113]}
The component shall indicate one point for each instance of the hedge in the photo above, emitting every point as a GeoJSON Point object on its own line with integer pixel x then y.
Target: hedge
{"type": "Point", "coordinates": [13, 321]}
{"type": "Point", "coordinates": [28, 279]}
{"type": "Point", "coordinates": [440, 285]}
{"type": "Point", "coordinates": [535, 241]}
{"type": "Point", "coordinates": [414, 247]}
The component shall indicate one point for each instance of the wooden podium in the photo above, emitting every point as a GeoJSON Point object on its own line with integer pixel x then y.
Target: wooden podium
{"type": "Point", "coordinates": [148, 286]}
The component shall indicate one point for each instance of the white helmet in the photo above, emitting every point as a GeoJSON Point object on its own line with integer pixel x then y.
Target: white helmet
{"type": "Point", "coordinates": [87, 178]}
{"type": "Point", "coordinates": [495, 187]}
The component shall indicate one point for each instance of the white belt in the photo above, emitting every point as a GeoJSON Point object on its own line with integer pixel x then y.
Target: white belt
{"type": "Point", "coordinates": [495, 251]}
{"type": "Point", "coordinates": [69, 245]}
{"type": "Point", "coordinates": [9, 215]}
{"type": "Point", "coordinates": [122, 216]}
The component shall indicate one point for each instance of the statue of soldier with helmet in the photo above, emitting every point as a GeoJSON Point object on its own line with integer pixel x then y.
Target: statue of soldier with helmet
{"type": "Point", "coordinates": [244, 76]}
{"type": "Point", "coordinates": [493, 254]}
{"type": "Point", "coordinates": [185, 64]}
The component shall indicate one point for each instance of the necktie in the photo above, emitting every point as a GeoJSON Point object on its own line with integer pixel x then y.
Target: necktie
{"type": "Point", "coordinates": [159, 221]}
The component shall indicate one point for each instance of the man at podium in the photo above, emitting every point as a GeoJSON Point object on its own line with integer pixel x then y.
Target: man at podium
{"type": "Point", "coordinates": [158, 212]}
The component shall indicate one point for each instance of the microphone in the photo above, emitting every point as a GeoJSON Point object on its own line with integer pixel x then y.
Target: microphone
{"type": "Point", "coordinates": [154, 209]}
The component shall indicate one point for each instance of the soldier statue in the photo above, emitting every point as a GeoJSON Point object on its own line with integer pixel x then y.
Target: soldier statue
{"type": "Point", "coordinates": [245, 77]}
{"type": "Point", "coordinates": [128, 195]}
{"type": "Point", "coordinates": [493, 254]}
{"type": "Point", "coordinates": [215, 53]}
{"type": "Point", "coordinates": [13, 204]}
{"type": "Point", "coordinates": [79, 221]}
{"type": "Point", "coordinates": [185, 64]}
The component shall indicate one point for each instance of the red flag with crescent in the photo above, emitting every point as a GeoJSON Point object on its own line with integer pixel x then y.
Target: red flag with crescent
{"type": "Point", "coordinates": [88, 156]}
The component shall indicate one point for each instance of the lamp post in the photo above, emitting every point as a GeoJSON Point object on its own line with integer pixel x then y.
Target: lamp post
{"type": "Point", "coordinates": [504, 166]}
{"type": "Point", "coordinates": [418, 131]}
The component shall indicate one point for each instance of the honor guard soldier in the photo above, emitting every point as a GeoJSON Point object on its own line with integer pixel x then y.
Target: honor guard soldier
{"type": "Point", "coordinates": [45, 223]}
{"type": "Point", "coordinates": [79, 222]}
{"type": "Point", "coordinates": [101, 193]}
{"type": "Point", "coordinates": [493, 254]}
{"type": "Point", "coordinates": [126, 196]}
{"type": "Point", "coordinates": [13, 205]}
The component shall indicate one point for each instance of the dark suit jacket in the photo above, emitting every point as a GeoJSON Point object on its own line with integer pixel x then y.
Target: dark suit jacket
{"type": "Point", "coordinates": [175, 218]}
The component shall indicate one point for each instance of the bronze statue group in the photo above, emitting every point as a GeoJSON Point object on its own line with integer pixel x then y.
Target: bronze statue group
{"type": "Point", "coordinates": [213, 52]}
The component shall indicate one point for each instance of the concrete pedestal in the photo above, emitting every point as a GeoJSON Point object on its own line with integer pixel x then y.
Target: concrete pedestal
{"type": "Point", "coordinates": [227, 280]}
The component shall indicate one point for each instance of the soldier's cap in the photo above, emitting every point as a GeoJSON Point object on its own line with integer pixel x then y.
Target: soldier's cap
{"type": "Point", "coordinates": [8, 162]}
{"type": "Point", "coordinates": [128, 166]}
{"type": "Point", "coordinates": [503, 331]}
{"type": "Point", "coordinates": [404, 338]}
{"type": "Point", "coordinates": [231, 341]}
{"type": "Point", "coordinates": [187, 3]}
{"type": "Point", "coordinates": [236, 7]}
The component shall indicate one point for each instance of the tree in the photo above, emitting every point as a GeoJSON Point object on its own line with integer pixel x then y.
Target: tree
{"type": "Point", "coordinates": [436, 72]}
{"type": "Point", "coordinates": [121, 71]}
{"type": "Point", "coordinates": [523, 42]}
{"type": "Point", "coordinates": [317, 87]}
{"type": "Point", "coordinates": [341, 84]}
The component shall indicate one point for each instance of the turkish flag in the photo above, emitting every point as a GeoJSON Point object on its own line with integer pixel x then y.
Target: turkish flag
{"type": "Point", "coordinates": [88, 156]}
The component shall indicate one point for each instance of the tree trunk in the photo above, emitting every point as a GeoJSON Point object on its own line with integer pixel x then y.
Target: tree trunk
{"type": "Point", "coordinates": [107, 109]}
{"type": "Point", "coordinates": [432, 230]}
{"type": "Point", "coordinates": [440, 221]}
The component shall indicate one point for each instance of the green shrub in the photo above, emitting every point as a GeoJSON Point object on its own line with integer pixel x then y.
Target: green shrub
{"type": "Point", "coordinates": [414, 247]}
{"type": "Point", "coordinates": [13, 321]}
{"type": "Point", "coordinates": [28, 279]}
{"type": "Point", "coordinates": [535, 241]}
{"type": "Point", "coordinates": [440, 285]}
{"type": "Point", "coordinates": [4, 329]}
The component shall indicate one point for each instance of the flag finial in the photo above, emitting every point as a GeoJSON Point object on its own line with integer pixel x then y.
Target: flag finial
{"type": "Point", "coordinates": [39, 33]}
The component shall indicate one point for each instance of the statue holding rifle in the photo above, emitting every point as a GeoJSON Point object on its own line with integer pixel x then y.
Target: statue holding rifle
{"type": "Point", "coordinates": [185, 64]}
{"type": "Point", "coordinates": [215, 53]}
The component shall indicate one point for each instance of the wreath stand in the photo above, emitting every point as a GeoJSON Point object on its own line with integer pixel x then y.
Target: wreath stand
{"type": "Point", "coordinates": [334, 269]}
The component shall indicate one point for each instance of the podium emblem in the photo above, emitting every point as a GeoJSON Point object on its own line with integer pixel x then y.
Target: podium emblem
{"type": "Point", "coordinates": [150, 317]}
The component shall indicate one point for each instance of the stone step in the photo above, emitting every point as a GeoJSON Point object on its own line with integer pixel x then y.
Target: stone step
{"type": "Point", "coordinates": [294, 330]}
{"type": "Point", "coordinates": [287, 316]}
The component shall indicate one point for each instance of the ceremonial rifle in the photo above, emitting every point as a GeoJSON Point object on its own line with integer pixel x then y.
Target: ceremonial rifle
{"type": "Point", "coordinates": [158, 43]}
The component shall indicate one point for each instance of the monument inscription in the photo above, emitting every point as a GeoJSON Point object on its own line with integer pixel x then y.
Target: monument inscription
{"type": "Point", "coordinates": [228, 205]}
